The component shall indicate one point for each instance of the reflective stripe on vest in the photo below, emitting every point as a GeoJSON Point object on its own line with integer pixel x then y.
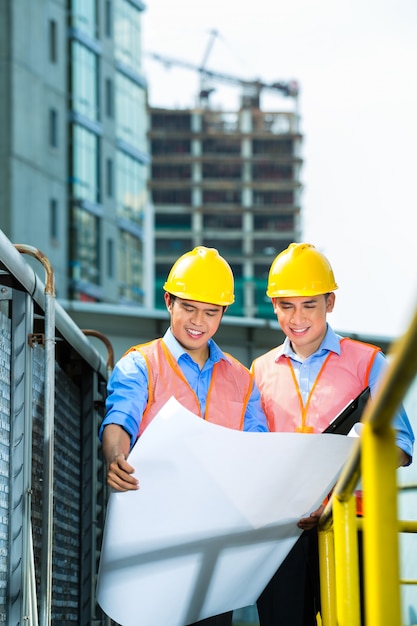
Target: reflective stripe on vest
{"type": "Point", "coordinates": [341, 378]}
{"type": "Point", "coordinates": [228, 395]}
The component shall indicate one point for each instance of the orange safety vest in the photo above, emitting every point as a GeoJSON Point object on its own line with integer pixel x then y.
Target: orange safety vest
{"type": "Point", "coordinates": [341, 378]}
{"type": "Point", "coordinates": [229, 392]}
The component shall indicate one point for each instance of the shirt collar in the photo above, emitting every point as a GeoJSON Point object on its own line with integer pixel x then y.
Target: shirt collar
{"type": "Point", "coordinates": [330, 343]}
{"type": "Point", "coordinates": [177, 351]}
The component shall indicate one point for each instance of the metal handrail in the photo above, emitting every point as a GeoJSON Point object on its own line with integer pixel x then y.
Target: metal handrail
{"type": "Point", "coordinates": [377, 442]}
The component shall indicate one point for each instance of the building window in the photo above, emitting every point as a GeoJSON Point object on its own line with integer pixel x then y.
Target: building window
{"type": "Point", "coordinates": [85, 160]}
{"type": "Point", "coordinates": [109, 97]}
{"type": "Point", "coordinates": [130, 268]}
{"type": "Point", "coordinates": [273, 222]}
{"type": "Point", "coordinates": [226, 196]}
{"type": "Point", "coordinates": [272, 198]}
{"type": "Point", "coordinates": [108, 18]}
{"type": "Point", "coordinates": [170, 146]}
{"type": "Point", "coordinates": [84, 88]}
{"type": "Point", "coordinates": [174, 122]}
{"type": "Point", "coordinates": [53, 43]}
{"type": "Point", "coordinates": [272, 146]}
{"type": "Point", "coordinates": [177, 171]}
{"type": "Point", "coordinates": [173, 221]}
{"type": "Point", "coordinates": [84, 16]}
{"type": "Point", "coordinates": [268, 170]}
{"type": "Point", "coordinates": [221, 221]}
{"type": "Point", "coordinates": [110, 258]}
{"type": "Point", "coordinates": [173, 246]}
{"type": "Point", "coordinates": [53, 219]}
{"type": "Point", "coordinates": [130, 112]}
{"type": "Point", "coordinates": [260, 280]}
{"type": "Point", "coordinates": [127, 34]}
{"type": "Point", "coordinates": [53, 128]}
{"type": "Point", "coordinates": [267, 246]}
{"type": "Point", "coordinates": [109, 178]}
{"type": "Point", "coordinates": [85, 247]}
{"type": "Point", "coordinates": [171, 196]}
{"type": "Point", "coordinates": [213, 171]}
{"type": "Point", "coordinates": [237, 306]}
{"type": "Point", "coordinates": [222, 145]}
{"type": "Point", "coordinates": [130, 189]}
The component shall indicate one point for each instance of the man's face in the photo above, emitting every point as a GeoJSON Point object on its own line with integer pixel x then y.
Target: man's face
{"type": "Point", "coordinates": [193, 323]}
{"type": "Point", "coordinates": [303, 320]}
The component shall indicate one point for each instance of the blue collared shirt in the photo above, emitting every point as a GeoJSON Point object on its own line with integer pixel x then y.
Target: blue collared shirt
{"type": "Point", "coordinates": [307, 370]}
{"type": "Point", "coordinates": [128, 388]}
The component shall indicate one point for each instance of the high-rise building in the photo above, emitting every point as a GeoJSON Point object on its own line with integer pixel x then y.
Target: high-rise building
{"type": "Point", "coordinates": [229, 180]}
{"type": "Point", "coordinates": [73, 151]}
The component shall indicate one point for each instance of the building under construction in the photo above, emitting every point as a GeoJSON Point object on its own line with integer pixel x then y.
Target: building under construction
{"type": "Point", "coordinates": [229, 180]}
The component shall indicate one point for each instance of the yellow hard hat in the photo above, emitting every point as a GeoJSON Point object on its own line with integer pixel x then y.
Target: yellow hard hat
{"type": "Point", "coordinates": [202, 275]}
{"type": "Point", "coordinates": [300, 270]}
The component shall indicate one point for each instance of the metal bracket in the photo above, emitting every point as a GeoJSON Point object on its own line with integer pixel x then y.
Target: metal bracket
{"type": "Point", "coordinates": [5, 293]}
{"type": "Point", "coordinates": [36, 339]}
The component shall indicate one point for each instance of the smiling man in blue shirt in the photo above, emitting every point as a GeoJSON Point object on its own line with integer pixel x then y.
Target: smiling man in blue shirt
{"type": "Point", "coordinates": [185, 363]}
{"type": "Point", "coordinates": [304, 384]}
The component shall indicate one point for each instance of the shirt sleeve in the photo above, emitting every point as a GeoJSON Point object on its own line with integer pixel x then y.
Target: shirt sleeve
{"type": "Point", "coordinates": [404, 435]}
{"type": "Point", "coordinates": [255, 419]}
{"type": "Point", "coordinates": [127, 395]}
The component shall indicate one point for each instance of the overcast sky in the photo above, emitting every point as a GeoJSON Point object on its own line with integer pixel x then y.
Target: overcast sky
{"type": "Point", "coordinates": [356, 63]}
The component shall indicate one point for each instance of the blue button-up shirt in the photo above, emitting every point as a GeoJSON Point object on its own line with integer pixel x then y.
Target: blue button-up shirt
{"type": "Point", "coordinates": [307, 370]}
{"type": "Point", "coordinates": [128, 388]}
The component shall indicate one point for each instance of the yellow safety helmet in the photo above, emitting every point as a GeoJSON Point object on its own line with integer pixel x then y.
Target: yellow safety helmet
{"type": "Point", "coordinates": [300, 270]}
{"type": "Point", "coordinates": [202, 275]}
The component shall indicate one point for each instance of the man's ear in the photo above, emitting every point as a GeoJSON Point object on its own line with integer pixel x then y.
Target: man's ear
{"type": "Point", "coordinates": [330, 300]}
{"type": "Point", "coordinates": [168, 301]}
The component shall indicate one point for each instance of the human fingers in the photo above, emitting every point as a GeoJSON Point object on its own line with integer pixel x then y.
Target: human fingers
{"type": "Point", "coordinates": [119, 475]}
{"type": "Point", "coordinates": [307, 523]}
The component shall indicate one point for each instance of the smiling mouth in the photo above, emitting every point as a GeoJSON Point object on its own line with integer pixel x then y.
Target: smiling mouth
{"type": "Point", "coordinates": [299, 331]}
{"type": "Point", "coordinates": [194, 333]}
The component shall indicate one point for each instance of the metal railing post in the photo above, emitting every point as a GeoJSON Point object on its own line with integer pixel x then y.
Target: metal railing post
{"type": "Point", "coordinates": [346, 558]}
{"type": "Point", "coordinates": [380, 527]}
{"type": "Point", "coordinates": [327, 577]}
{"type": "Point", "coordinates": [48, 448]}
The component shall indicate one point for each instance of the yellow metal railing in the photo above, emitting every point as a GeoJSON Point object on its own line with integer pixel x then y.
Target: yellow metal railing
{"type": "Point", "coordinates": [375, 458]}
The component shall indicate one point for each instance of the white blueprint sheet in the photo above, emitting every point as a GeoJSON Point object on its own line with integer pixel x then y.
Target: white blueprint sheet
{"type": "Point", "coordinates": [214, 517]}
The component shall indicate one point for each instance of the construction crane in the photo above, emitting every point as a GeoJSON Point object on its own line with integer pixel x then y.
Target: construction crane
{"type": "Point", "coordinates": [286, 88]}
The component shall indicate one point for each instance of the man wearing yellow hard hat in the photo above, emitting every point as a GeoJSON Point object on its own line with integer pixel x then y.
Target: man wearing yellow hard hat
{"type": "Point", "coordinates": [185, 363]}
{"type": "Point", "coordinates": [304, 384]}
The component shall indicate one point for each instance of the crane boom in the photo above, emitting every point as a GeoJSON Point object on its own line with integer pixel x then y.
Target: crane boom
{"type": "Point", "coordinates": [287, 88]}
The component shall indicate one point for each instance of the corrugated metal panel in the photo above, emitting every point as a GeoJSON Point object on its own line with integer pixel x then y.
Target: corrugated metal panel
{"type": "Point", "coordinates": [5, 349]}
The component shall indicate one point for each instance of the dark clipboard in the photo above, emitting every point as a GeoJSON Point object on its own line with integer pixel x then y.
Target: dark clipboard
{"type": "Point", "coordinates": [350, 415]}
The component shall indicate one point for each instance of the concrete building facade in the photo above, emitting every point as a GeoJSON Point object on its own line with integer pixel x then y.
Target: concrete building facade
{"type": "Point", "coordinates": [73, 150]}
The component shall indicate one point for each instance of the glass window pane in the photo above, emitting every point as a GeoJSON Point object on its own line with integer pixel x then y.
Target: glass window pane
{"type": "Point", "coordinates": [127, 34]}
{"type": "Point", "coordinates": [85, 180]}
{"type": "Point", "coordinates": [85, 246]}
{"type": "Point", "coordinates": [84, 89]}
{"type": "Point", "coordinates": [53, 41]}
{"type": "Point", "coordinates": [84, 16]}
{"type": "Point", "coordinates": [130, 112]}
{"type": "Point", "coordinates": [130, 189]}
{"type": "Point", "coordinates": [130, 268]}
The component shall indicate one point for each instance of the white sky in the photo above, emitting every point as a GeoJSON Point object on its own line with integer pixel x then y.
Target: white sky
{"type": "Point", "coordinates": [356, 62]}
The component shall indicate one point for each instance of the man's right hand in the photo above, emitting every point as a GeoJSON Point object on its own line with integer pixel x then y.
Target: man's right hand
{"type": "Point", "coordinates": [119, 474]}
{"type": "Point", "coordinates": [116, 447]}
